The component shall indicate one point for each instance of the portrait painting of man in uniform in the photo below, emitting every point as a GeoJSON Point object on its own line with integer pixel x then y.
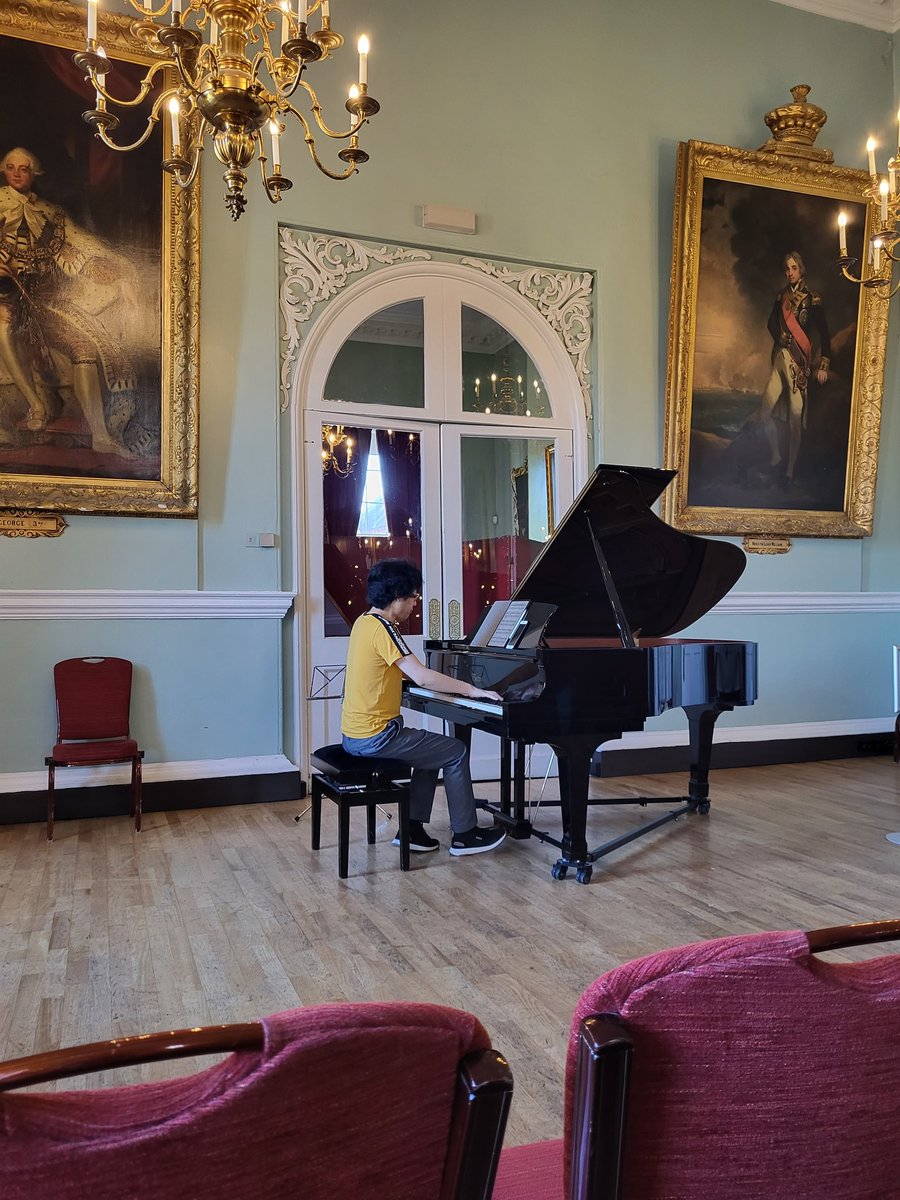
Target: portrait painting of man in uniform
{"type": "Point", "coordinates": [95, 410]}
{"type": "Point", "coordinates": [772, 396]}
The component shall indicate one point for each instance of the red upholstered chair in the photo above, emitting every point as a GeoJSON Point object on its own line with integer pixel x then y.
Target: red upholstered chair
{"type": "Point", "coordinates": [370, 1101]}
{"type": "Point", "coordinates": [93, 703]}
{"type": "Point", "coordinates": [744, 1067]}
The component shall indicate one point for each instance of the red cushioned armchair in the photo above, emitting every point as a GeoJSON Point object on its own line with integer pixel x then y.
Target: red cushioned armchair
{"type": "Point", "coordinates": [93, 704]}
{"type": "Point", "coordinates": [386, 1101]}
{"type": "Point", "coordinates": [745, 1068]}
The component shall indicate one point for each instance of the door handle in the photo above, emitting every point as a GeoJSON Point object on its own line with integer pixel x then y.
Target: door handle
{"type": "Point", "coordinates": [454, 620]}
{"type": "Point", "coordinates": [434, 620]}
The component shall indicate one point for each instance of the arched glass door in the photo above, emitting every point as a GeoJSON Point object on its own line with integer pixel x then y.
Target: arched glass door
{"type": "Point", "coordinates": [456, 466]}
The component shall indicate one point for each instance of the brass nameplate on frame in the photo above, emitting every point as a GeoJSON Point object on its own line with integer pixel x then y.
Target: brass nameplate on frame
{"type": "Point", "coordinates": [30, 523]}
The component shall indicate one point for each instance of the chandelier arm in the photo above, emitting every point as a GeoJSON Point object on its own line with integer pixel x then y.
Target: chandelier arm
{"type": "Point", "coordinates": [185, 183]}
{"type": "Point", "coordinates": [317, 110]}
{"type": "Point", "coordinates": [285, 93]}
{"type": "Point", "coordinates": [333, 133]}
{"type": "Point", "coordinates": [186, 78]}
{"type": "Point", "coordinates": [311, 144]}
{"type": "Point", "coordinates": [139, 97]}
{"type": "Point", "coordinates": [351, 170]}
{"type": "Point", "coordinates": [847, 274]}
{"type": "Point", "coordinates": [261, 59]}
{"type": "Point", "coordinates": [152, 120]}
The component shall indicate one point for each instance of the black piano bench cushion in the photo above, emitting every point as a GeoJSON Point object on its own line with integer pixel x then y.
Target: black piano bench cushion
{"type": "Point", "coordinates": [336, 762]}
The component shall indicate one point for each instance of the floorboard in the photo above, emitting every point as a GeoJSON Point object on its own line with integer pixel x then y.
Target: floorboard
{"type": "Point", "coordinates": [218, 915]}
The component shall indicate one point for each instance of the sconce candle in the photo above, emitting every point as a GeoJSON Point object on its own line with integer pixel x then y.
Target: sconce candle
{"type": "Point", "coordinates": [870, 150]}
{"type": "Point", "coordinates": [842, 233]}
{"type": "Point", "coordinates": [883, 190]}
{"type": "Point", "coordinates": [363, 47]}
{"type": "Point", "coordinates": [92, 21]}
{"type": "Point", "coordinates": [174, 110]}
{"type": "Point", "coordinates": [275, 130]}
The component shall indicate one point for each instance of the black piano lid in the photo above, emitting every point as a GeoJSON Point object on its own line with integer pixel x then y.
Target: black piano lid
{"type": "Point", "coordinates": [665, 579]}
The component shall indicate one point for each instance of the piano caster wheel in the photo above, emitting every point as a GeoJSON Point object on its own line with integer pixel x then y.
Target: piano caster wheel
{"type": "Point", "coordinates": [559, 870]}
{"type": "Point", "coordinates": [703, 808]}
{"type": "Point", "coordinates": [583, 874]}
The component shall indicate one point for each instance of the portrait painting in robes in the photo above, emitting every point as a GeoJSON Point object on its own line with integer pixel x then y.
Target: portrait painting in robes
{"type": "Point", "coordinates": [80, 279]}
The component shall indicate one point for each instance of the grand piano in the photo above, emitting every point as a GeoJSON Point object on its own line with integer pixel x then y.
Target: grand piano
{"type": "Point", "coordinates": [582, 652]}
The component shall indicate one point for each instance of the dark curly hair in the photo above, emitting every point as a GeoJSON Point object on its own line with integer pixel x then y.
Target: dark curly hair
{"type": "Point", "coordinates": [392, 579]}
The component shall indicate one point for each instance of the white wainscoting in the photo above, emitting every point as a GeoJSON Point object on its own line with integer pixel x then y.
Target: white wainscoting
{"type": "Point", "coordinates": [807, 603]}
{"type": "Point", "coordinates": [97, 605]}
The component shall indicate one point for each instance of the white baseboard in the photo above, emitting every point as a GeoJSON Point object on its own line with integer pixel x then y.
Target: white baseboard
{"type": "Point", "coordinates": [202, 768]}
{"type": "Point", "coordinates": [484, 765]}
{"type": "Point", "coordinates": [757, 733]}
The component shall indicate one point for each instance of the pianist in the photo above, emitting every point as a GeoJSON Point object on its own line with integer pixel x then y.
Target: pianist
{"type": "Point", "coordinates": [371, 723]}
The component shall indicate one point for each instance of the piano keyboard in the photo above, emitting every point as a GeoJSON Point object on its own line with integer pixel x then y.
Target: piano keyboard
{"type": "Point", "coordinates": [487, 706]}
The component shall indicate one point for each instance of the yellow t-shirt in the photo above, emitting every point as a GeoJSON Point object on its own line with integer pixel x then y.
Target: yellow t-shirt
{"type": "Point", "coordinates": [373, 681]}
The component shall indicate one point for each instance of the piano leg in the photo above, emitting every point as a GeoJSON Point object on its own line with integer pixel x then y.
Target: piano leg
{"type": "Point", "coordinates": [513, 757]}
{"type": "Point", "coordinates": [519, 757]}
{"type": "Point", "coordinates": [574, 761]}
{"type": "Point", "coordinates": [701, 726]}
{"type": "Point", "coordinates": [505, 777]}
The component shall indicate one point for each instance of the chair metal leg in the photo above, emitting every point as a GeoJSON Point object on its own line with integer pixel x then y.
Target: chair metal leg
{"type": "Point", "coordinates": [51, 782]}
{"type": "Point", "coordinates": [136, 787]}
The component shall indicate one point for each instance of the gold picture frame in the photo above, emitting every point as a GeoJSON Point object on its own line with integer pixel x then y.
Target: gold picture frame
{"type": "Point", "coordinates": [98, 387]}
{"type": "Point", "coordinates": [753, 459]}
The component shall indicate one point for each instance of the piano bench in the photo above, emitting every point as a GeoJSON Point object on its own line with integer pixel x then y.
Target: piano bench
{"type": "Point", "coordinates": [355, 782]}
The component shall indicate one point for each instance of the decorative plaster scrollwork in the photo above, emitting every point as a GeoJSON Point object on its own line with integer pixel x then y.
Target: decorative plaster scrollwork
{"type": "Point", "coordinates": [563, 298]}
{"type": "Point", "coordinates": [315, 267]}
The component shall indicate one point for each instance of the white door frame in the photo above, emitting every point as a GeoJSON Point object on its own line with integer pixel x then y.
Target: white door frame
{"type": "Point", "coordinates": [442, 286]}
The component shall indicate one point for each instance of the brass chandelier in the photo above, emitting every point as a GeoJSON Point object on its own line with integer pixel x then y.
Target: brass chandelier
{"type": "Point", "coordinates": [333, 438]}
{"type": "Point", "coordinates": [230, 68]}
{"type": "Point", "coordinates": [877, 268]}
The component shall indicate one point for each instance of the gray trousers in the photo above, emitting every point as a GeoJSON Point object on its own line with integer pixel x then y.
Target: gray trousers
{"type": "Point", "coordinates": [427, 754]}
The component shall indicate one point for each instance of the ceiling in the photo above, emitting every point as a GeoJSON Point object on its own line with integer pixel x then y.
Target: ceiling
{"type": "Point", "coordinates": [875, 14]}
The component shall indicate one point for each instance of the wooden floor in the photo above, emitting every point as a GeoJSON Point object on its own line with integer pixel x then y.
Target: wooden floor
{"type": "Point", "coordinates": [226, 914]}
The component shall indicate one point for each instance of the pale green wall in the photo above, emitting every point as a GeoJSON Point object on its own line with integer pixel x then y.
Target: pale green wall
{"type": "Point", "coordinates": [558, 126]}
